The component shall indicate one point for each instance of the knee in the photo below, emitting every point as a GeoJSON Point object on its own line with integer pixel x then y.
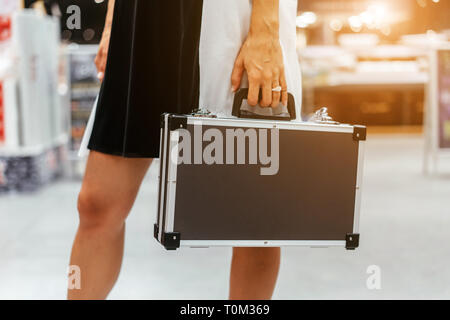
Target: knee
{"type": "Point", "coordinates": [96, 212]}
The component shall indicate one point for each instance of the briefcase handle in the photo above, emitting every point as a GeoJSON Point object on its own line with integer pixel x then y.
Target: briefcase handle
{"type": "Point", "coordinates": [242, 94]}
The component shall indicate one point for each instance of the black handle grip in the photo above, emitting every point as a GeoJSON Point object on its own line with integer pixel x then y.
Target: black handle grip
{"type": "Point", "coordinates": [242, 94]}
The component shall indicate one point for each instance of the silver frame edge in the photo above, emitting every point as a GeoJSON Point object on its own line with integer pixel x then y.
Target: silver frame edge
{"type": "Point", "coordinates": [262, 243]}
{"type": "Point", "coordinates": [163, 178]}
{"type": "Point", "coordinates": [358, 191]}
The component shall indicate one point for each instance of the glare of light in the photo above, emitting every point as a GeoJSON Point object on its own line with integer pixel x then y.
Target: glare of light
{"type": "Point", "coordinates": [367, 18]}
{"type": "Point", "coordinates": [310, 17]}
{"type": "Point", "coordinates": [306, 19]}
{"type": "Point", "coordinates": [355, 23]}
{"type": "Point", "coordinates": [301, 22]}
{"type": "Point", "coordinates": [378, 12]}
{"type": "Point", "coordinates": [375, 17]}
{"type": "Point", "coordinates": [377, 9]}
{"type": "Point", "coordinates": [336, 25]}
{"type": "Point", "coordinates": [436, 1]}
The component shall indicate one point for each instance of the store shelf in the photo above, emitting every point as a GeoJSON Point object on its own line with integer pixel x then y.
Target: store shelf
{"type": "Point", "coordinates": [30, 151]}
{"type": "Point", "coordinates": [376, 78]}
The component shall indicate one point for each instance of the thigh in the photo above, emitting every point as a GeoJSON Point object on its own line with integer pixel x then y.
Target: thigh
{"type": "Point", "coordinates": [111, 183]}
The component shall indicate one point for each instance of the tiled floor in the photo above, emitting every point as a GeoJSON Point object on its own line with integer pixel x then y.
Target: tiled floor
{"type": "Point", "coordinates": [405, 227]}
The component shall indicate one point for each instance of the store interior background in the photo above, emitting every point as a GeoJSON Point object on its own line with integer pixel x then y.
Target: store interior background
{"type": "Point", "coordinates": [369, 62]}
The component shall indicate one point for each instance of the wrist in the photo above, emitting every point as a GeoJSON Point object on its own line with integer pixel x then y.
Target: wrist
{"type": "Point", "coordinates": [265, 18]}
{"type": "Point", "coordinates": [265, 28]}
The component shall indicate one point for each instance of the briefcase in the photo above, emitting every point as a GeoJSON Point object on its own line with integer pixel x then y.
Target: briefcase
{"type": "Point", "coordinates": [259, 181]}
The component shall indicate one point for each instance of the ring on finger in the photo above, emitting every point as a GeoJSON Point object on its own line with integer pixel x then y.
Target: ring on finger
{"type": "Point", "coordinates": [277, 89]}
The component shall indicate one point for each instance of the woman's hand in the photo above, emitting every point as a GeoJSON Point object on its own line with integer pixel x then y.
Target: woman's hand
{"type": "Point", "coordinates": [261, 56]}
{"type": "Point", "coordinates": [102, 55]}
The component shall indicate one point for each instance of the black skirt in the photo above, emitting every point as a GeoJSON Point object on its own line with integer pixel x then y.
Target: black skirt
{"type": "Point", "coordinates": [152, 68]}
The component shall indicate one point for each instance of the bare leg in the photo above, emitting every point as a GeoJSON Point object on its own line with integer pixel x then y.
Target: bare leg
{"type": "Point", "coordinates": [107, 195]}
{"type": "Point", "coordinates": [254, 273]}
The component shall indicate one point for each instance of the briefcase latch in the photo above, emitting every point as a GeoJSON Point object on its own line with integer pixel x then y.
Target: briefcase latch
{"type": "Point", "coordinates": [322, 116]}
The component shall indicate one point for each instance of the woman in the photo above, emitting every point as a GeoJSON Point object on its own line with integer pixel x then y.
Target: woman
{"type": "Point", "coordinates": [174, 56]}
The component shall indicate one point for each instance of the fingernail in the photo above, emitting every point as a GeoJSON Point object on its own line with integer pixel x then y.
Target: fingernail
{"type": "Point", "coordinates": [233, 89]}
{"type": "Point", "coordinates": [100, 75]}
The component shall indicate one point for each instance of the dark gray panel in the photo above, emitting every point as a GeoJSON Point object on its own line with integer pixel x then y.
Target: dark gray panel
{"type": "Point", "coordinates": [311, 198]}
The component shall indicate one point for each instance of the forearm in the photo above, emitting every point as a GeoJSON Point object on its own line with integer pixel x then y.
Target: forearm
{"type": "Point", "coordinates": [109, 17]}
{"type": "Point", "coordinates": [265, 18]}
{"type": "Point", "coordinates": [102, 55]}
{"type": "Point", "coordinates": [262, 58]}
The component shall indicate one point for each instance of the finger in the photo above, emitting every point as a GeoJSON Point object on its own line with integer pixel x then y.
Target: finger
{"type": "Point", "coordinates": [276, 95]}
{"type": "Point", "coordinates": [253, 88]}
{"type": "Point", "coordinates": [236, 75]}
{"type": "Point", "coordinates": [97, 61]}
{"type": "Point", "coordinates": [284, 90]}
{"type": "Point", "coordinates": [267, 90]}
{"type": "Point", "coordinates": [102, 66]}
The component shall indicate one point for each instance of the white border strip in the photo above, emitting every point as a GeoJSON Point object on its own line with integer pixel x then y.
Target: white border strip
{"type": "Point", "coordinates": [359, 180]}
{"type": "Point", "coordinates": [171, 180]}
{"type": "Point", "coordinates": [250, 123]}
{"type": "Point", "coordinates": [163, 177]}
{"type": "Point", "coordinates": [262, 243]}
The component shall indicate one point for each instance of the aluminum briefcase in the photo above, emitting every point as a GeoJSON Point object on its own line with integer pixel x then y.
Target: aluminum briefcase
{"type": "Point", "coordinates": [257, 182]}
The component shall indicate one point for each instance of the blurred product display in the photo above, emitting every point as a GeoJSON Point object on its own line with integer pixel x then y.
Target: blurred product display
{"type": "Point", "coordinates": [367, 61]}
{"type": "Point", "coordinates": [84, 89]}
{"type": "Point", "coordinates": [41, 116]}
{"type": "Point", "coordinates": [372, 85]}
{"type": "Point", "coordinates": [47, 89]}
{"type": "Point", "coordinates": [33, 133]}
{"type": "Point", "coordinates": [7, 83]}
{"type": "Point", "coordinates": [31, 169]}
